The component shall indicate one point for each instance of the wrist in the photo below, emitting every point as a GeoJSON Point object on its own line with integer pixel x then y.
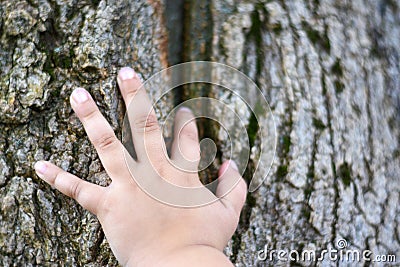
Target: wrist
{"type": "Point", "coordinates": [190, 255]}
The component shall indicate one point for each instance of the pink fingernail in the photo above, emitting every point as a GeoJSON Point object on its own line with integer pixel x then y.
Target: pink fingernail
{"type": "Point", "coordinates": [233, 165]}
{"type": "Point", "coordinates": [126, 73]}
{"type": "Point", "coordinates": [40, 167]}
{"type": "Point", "coordinates": [80, 95]}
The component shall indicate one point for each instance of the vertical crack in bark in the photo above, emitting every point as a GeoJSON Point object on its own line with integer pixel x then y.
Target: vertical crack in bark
{"type": "Point", "coordinates": [38, 220]}
{"type": "Point", "coordinates": [96, 250]}
{"type": "Point", "coordinates": [333, 165]}
{"type": "Point", "coordinates": [7, 154]}
{"type": "Point", "coordinates": [371, 155]}
{"type": "Point", "coordinates": [197, 38]}
{"type": "Point", "coordinates": [253, 38]}
{"type": "Point", "coordinates": [175, 16]}
{"type": "Point", "coordinates": [308, 188]}
{"type": "Point", "coordinates": [197, 25]}
{"type": "Point", "coordinates": [174, 13]}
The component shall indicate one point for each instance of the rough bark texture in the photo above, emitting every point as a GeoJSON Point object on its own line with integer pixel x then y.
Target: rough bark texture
{"type": "Point", "coordinates": [47, 49]}
{"type": "Point", "coordinates": [329, 69]}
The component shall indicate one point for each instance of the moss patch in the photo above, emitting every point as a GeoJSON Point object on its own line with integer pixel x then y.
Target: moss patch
{"type": "Point", "coordinates": [281, 172]}
{"type": "Point", "coordinates": [344, 172]}
{"type": "Point", "coordinates": [337, 68]}
{"type": "Point", "coordinates": [277, 28]}
{"type": "Point", "coordinates": [255, 33]}
{"type": "Point", "coordinates": [339, 86]}
{"type": "Point", "coordinates": [286, 142]}
{"type": "Point", "coordinates": [318, 124]}
{"type": "Point", "coordinates": [306, 213]}
{"type": "Point", "coordinates": [316, 37]}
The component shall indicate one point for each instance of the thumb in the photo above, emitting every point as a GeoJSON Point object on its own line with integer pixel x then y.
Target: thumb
{"type": "Point", "coordinates": [231, 188]}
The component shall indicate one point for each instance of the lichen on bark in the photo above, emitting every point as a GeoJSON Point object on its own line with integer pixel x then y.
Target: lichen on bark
{"type": "Point", "coordinates": [329, 72]}
{"type": "Point", "coordinates": [47, 49]}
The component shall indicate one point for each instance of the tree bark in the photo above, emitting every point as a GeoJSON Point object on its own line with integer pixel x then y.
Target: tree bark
{"type": "Point", "coordinates": [48, 48]}
{"type": "Point", "coordinates": [329, 70]}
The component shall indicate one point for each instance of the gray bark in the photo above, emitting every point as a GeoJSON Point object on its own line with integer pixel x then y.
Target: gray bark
{"type": "Point", "coordinates": [329, 69]}
{"type": "Point", "coordinates": [47, 49]}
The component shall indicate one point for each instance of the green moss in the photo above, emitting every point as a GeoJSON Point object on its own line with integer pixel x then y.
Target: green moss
{"type": "Point", "coordinates": [95, 2]}
{"type": "Point", "coordinates": [49, 68]}
{"type": "Point", "coordinates": [396, 153]}
{"type": "Point", "coordinates": [337, 68]}
{"type": "Point", "coordinates": [310, 173]}
{"type": "Point", "coordinates": [344, 172]}
{"type": "Point", "coordinates": [316, 37]}
{"type": "Point", "coordinates": [318, 124]}
{"type": "Point", "coordinates": [325, 43]}
{"type": "Point", "coordinates": [252, 129]}
{"type": "Point", "coordinates": [277, 28]}
{"type": "Point", "coordinates": [62, 61]}
{"type": "Point", "coordinates": [236, 240]}
{"type": "Point", "coordinates": [310, 176]}
{"type": "Point", "coordinates": [55, 92]}
{"type": "Point", "coordinates": [306, 212]}
{"type": "Point", "coordinates": [375, 51]}
{"type": "Point", "coordinates": [281, 172]}
{"type": "Point", "coordinates": [312, 34]}
{"type": "Point", "coordinates": [256, 34]}
{"type": "Point", "coordinates": [307, 192]}
{"type": "Point", "coordinates": [323, 84]}
{"type": "Point", "coordinates": [286, 142]}
{"type": "Point", "coordinates": [47, 147]}
{"type": "Point", "coordinates": [339, 86]}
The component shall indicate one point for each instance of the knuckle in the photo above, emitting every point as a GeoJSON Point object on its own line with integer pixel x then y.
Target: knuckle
{"type": "Point", "coordinates": [75, 190]}
{"type": "Point", "coordinates": [146, 123]}
{"type": "Point", "coordinates": [189, 133]}
{"type": "Point", "coordinates": [56, 179]}
{"type": "Point", "coordinates": [189, 136]}
{"type": "Point", "coordinates": [105, 141]}
{"type": "Point", "coordinates": [90, 114]}
{"type": "Point", "coordinates": [131, 92]}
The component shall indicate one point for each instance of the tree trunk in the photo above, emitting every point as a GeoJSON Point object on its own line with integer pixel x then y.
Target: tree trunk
{"type": "Point", "coordinates": [48, 48]}
{"type": "Point", "coordinates": [329, 70]}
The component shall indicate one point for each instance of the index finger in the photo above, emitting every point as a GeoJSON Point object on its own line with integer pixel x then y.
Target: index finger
{"type": "Point", "coordinates": [102, 136]}
{"type": "Point", "coordinates": [146, 133]}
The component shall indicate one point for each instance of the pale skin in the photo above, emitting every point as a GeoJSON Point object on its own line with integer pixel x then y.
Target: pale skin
{"type": "Point", "coordinates": [141, 230]}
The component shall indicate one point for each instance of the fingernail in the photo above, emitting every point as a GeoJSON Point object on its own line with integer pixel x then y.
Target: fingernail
{"type": "Point", "coordinates": [40, 167]}
{"type": "Point", "coordinates": [126, 73]}
{"type": "Point", "coordinates": [80, 95]}
{"type": "Point", "coordinates": [233, 165]}
{"type": "Point", "coordinates": [185, 109]}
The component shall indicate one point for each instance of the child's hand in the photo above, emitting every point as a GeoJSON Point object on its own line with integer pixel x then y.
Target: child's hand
{"type": "Point", "coordinates": [141, 230]}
